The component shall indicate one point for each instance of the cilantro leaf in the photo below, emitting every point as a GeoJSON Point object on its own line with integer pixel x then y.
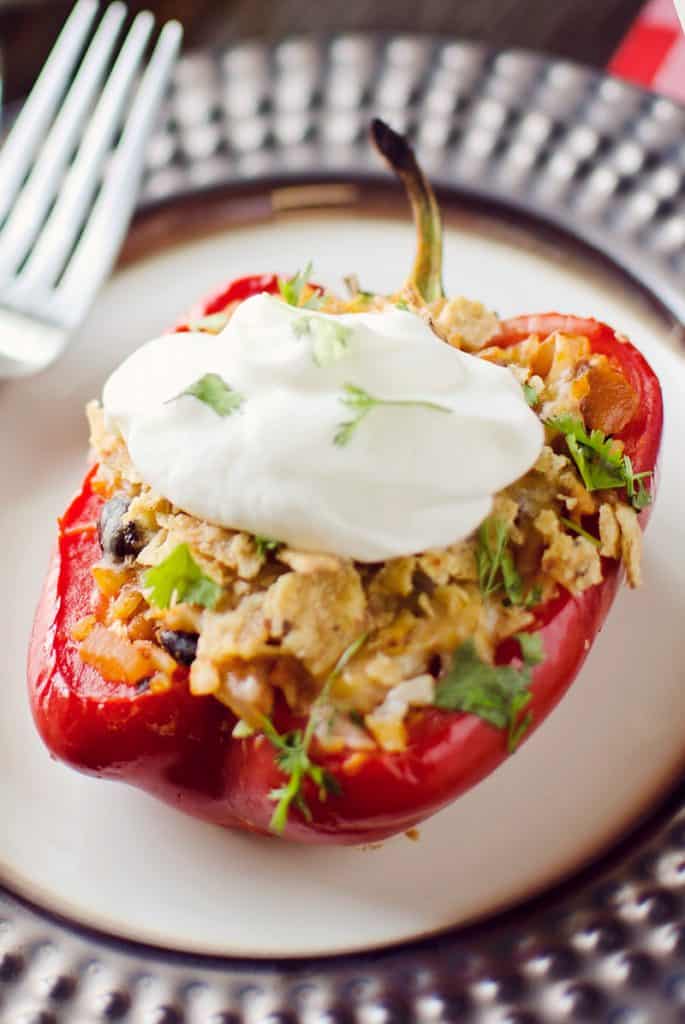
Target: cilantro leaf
{"type": "Point", "coordinates": [264, 544]}
{"type": "Point", "coordinates": [292, 755]}
{"type": "Point", "coordinates": [179, 578]}
{"type": "Point", "coordinates": [600, 463]}
{"type": "Point", "coordinates": [330, 339]}
{"type": "Point", "coordinates": [343, 434]}
{"type": "Point", "coordinates": [480, 688]}
{"type": "Point", "coordinates": [532, 650]}
{"type": "Point", "coordinates": [361, 403]}
{"type": "Point", "coordinates": [495, 693]}
{"type": "Point", "coordinates": [214, 392]}
{"type": "Point", "coordinates": [291, 289]}
{"type": "Point", "coordinates": [598, 460]}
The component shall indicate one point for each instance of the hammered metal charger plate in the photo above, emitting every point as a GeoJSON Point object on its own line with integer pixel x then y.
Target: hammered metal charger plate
{"type": "Point", "coordinates": [574, 151]}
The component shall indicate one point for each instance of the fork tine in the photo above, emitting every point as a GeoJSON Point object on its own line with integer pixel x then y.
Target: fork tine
{"type": "Point", "coordinates": [30, 127]}
{"type": "Point", "coordinates": [35, 197]}
{"type": "Point", "coordinates": [64, 223]}
{"type": "Point", "coordinates": [97, 249]}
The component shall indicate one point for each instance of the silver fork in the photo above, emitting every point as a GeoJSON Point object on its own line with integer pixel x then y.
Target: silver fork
{"type": "Point", "coordinates": [65, 204]}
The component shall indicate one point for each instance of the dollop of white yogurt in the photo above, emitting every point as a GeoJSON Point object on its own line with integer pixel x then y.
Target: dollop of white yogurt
{"type": "Point", "coordinates": [408, 476]}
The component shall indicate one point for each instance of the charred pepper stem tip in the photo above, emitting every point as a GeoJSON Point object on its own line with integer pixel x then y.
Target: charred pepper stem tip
{"type": "Point", "coordinates": [426, 275]}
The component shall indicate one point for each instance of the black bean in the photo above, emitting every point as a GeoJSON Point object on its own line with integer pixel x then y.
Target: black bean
{"type": "Point", "coordinates": [182, 646]}
{"type": "Point", "coordinates": [118, 540]}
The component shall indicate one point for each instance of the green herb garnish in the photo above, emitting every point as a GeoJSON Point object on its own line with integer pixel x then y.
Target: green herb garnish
{"type": "Point", "coordinates": [639, 495]}
{"type": "Point", "coordinates": [214, 392]}
{"type": "Point", "coordinates": [599, 461]}
{"type": "Point", "coordinates": [496, 693]}
{"type": "Point", "coordinates": [531, 396]}
{"type": "Point", "coordinates": [519, 726]}
{"type": "Point", "coordinates": [361, 403]}
{"type": "Point", "coordinates": [265, 544]}
{"type": "Point", "coordinates": [292, 754]}
{"type": "Point", "coordinates": [330, 340]}
{"type": "Point", "coordinates": [291, 289]}
{"type": "Point", "coordinates": [402, 305]}
{"type": "Point", "coordinates": [569, 523]}
{"type": "Point", "coordinates": [180, 579]}
{"type": "Point", "coordinates": [531, 648]}
{"type": "Point", "coordinates": [492, 540]}
{"type": "Point", "coordinates": [496, 567]}
{"type": "Point", "coordinates": [212, 324]}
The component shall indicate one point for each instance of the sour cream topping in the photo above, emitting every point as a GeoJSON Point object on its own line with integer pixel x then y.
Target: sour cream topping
{"type": "Point", "coordinates": [283, 464]}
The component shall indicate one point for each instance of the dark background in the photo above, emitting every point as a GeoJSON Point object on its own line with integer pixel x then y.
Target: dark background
{"type": "Point", "coordinates": [584, 30]}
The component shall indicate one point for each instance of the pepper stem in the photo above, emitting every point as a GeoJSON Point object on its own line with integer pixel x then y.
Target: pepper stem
{"type": "Point", "coordinates": [426, 275]}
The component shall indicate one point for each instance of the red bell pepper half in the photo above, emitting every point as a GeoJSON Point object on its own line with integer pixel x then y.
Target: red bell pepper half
{"type": "Point", "coordinates": [180, 748]}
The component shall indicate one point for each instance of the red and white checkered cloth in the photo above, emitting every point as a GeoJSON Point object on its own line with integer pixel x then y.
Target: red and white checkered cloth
{"type": "Point", "coordinates": [653, 52]}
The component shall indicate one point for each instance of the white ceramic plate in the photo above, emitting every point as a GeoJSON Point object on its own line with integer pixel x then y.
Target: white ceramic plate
{"type": "Point", "coordinates": [112, 857]}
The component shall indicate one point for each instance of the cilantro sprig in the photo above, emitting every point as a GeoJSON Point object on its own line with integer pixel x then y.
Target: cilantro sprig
{"type": "Point", "coordinates": [577, 528]}
{"type": "Point", "coordinates": [361, 403]}
{"type": "Point", "coordinates": [601, 464]}
{"type": "Point", "coordinates": [292, 754]}
{"type": "Point", "coordinates": [496, 567]}
{"type": "Point", "coordinates": [180, 578]}
{"type": "Point", "coordinates": [635, 486]}
{"type": "Point", "coordinates": [330, 340]}
{"type": "Point", "coordinates": [213, 390]}
{"type": "Point", "coordinates": [292, 289]}
{"type": "Point", "coordinates": [499, 694]}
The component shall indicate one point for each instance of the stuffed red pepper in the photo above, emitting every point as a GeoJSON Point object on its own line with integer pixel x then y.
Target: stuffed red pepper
{"type": "Point", "coordinates": [336, 558]}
